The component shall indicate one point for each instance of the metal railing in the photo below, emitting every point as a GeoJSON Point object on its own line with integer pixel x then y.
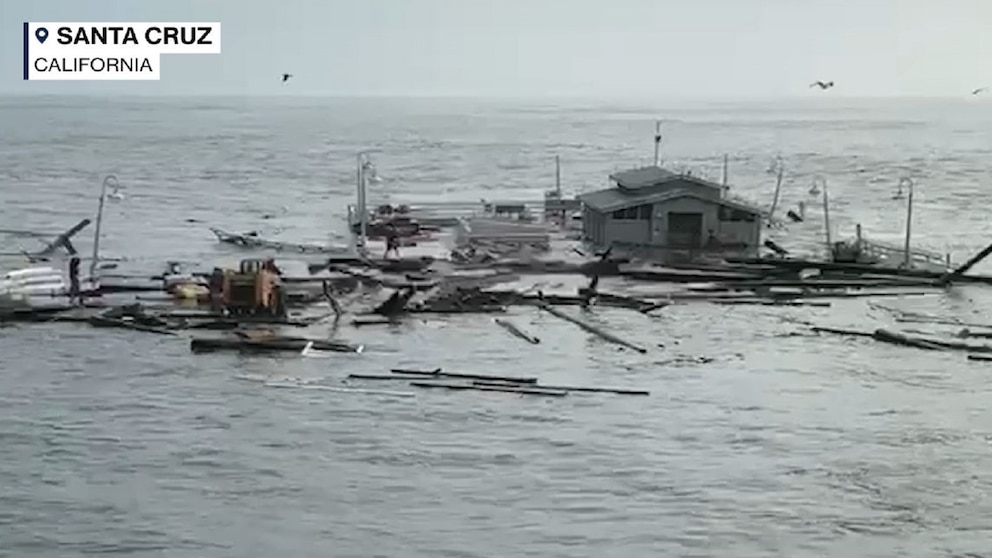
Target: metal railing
{"type": "Point", "coordinates": [890, 253]}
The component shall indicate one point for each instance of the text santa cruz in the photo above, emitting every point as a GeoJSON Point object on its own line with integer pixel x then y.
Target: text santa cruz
{"type": "Point", "coordinates": [96, 64]}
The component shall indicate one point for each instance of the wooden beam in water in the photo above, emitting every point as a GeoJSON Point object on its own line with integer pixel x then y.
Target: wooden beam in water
{"type": "Point", "coordinates": [516, 331]}
{"type": "Point", "coordinates": [895, 338]}
{"type": "Point", "coordinates": [957, 273]}
{"type": "Point", "coordinates": [504, 389]}
{"type": "Point", "coordinates": [840, 331]}
{"type": "Point", "coordinates": [617, 391]}
{"type": "Point", "coordinates": [276, 344]}
{"type": "Point", "coordinates": [385, 377]}
{"type": "Point", "coordinates": [592, 329]}
{"type": "Point", "coordinates": [437, 373]}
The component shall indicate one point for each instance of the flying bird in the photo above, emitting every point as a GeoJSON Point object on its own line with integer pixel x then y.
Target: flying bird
{"type": "Point", "coordinates": [822, 84]}
{"type": "Point", "coordinates": [979, 90]}
{"type": "Point", "coordinates": [285, 77]}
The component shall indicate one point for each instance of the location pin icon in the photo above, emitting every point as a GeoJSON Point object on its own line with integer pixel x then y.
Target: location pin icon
{"type": "Point", "coordinates": [41, 34]}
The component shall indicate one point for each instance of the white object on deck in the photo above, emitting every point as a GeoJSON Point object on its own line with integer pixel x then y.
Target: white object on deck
{"type": "Point", "coordinates": [476, 229]}
{"type": "Point", "coordinates": [33, 281]}
{"type": "Point", "coordinates": [21, 287]}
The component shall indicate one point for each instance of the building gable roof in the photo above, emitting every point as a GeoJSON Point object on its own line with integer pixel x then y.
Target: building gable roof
{"type": "Point", "coordinates": [647, 177]}
{"type": "Point", "coordinates": [641, 177]}
{"type": "Point", "coordinates": [614, 199]}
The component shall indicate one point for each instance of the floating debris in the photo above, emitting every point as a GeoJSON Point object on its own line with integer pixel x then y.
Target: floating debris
{"type": "Point", "coordinates": [516, 331]}
{"type": "Point", "coordinates": [439, 374]}
{"type": "Point", "coordinates": [592, 329]}
{"type": "Point", "coordinates": [505, 389]}
{"type": "Point", "coordinates": [272, 344]}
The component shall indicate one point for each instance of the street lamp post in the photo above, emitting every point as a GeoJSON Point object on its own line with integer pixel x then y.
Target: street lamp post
{"type": "Point", "coordinates": [110, 180]}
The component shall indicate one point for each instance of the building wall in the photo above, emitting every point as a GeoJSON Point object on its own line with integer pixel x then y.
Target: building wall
{"type": "Point", "coordinates": [651, 229]}
{"type": "Point", "coordinates": [603, 229]}
{"type": "Point", "coordinates": [725, 231]}
{"type": "Point", "coordinates": [628, 231]}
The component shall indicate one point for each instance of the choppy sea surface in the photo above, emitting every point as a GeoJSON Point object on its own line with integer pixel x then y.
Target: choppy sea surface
{"type": "Point", "coordinates": [756, 440]}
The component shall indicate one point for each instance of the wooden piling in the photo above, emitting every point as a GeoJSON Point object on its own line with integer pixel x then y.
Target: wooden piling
{"type": "Point", "coordinates": [591, 328]}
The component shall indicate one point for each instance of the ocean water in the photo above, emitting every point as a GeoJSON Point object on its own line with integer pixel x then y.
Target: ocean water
{"type": "Point", "coordinates": [757, 440]}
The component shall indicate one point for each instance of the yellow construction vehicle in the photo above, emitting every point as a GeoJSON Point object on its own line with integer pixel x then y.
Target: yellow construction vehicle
{"type": "Point", "coordinates": [254, 290]}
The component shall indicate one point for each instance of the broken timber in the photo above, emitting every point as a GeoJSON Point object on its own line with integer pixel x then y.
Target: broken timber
{"type": "Point", "coordinates": [959, 272]}
{"type": "Point", "coordinates": [617, 391]}
{"type": "Point", "coordinates": [504, 389]}
{"type": "Point", "coordinates": [591, 328]}
{"type": "Point", "coordinates": [439, 374]}
{"type": "Point", "coordinates": [516, 331]}
{"type": "Point", "coordinates": [273, 344]}
{"type": "Point", "coordinates": [896, 338]}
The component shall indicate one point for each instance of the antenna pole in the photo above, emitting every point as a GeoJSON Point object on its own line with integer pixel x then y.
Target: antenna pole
{"type": "Point", "coordinates": [657, 143]}
{"type": "Point", "coordinates": [909, 224]}
{"type": "Point", "coordinates": [726, 164]}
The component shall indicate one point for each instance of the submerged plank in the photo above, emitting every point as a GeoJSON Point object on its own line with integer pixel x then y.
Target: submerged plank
{"type": "Point", "coordinates": [592, 329]}
{"type": "Point", "coordinates": [617, 391]}
{"type": "Point", "coordinates": [276, 344]}
{"type": "Point", "coordinates": [516, 331]}
{"type": "Point", "coordinates": [503, 389]}
{"type": "Point", "coordinates": [295, 385]}
{"type": "Point", "coordinates": [437, 373]}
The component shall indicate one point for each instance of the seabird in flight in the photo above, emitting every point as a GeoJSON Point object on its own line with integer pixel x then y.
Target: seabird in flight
{"type": "Point", "coordinates": [979, 90]}
{"type": "Point", "coordinates": [822, 84]}
{"type": "Point", "coordinates": [285, 77]}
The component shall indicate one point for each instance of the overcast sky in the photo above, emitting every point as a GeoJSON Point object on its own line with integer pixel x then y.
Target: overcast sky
{"type": "Point", "coordinates": [533, 48]}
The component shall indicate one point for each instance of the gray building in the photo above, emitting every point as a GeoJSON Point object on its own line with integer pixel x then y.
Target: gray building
{"type": "Point", "coordinates": [671, 216]}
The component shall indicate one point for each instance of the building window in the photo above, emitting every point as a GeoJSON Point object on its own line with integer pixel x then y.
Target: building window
{"type": "Point", "coordinates": [639, 213]}
{"type": "Point", "coordinates": [625, 214]}
{"type": "Point", "coordinates": [736, 215]}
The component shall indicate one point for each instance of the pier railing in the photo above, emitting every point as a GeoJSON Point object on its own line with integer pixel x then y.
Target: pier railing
{"type": "Point", "coordinates": [896, 255]}
{"type": "Point", "coordinates": [449, 212]}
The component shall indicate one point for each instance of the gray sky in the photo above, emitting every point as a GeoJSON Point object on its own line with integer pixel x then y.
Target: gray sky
{"type": "Point", "coordinates": [535, 48]}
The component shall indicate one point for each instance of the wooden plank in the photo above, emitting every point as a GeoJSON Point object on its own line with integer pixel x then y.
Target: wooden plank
{"type": "Point", "coordinates": [506, 389]}
{"type": "Point", "coordinates": [516, 331]}
{"type": "Point", "coordinates": [617, 391]}
{"type": "Point", "coordinates": [592, 329]}
{"type": "Point", "coordinates": [439, 374]}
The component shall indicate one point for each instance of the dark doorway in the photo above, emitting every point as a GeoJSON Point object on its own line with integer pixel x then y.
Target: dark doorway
{"type": "Point", "coordinates": [685, 230]}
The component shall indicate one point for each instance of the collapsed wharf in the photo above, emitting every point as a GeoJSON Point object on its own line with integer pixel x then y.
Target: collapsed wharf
{"type": "Point", "coordinates": [429, 279]}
